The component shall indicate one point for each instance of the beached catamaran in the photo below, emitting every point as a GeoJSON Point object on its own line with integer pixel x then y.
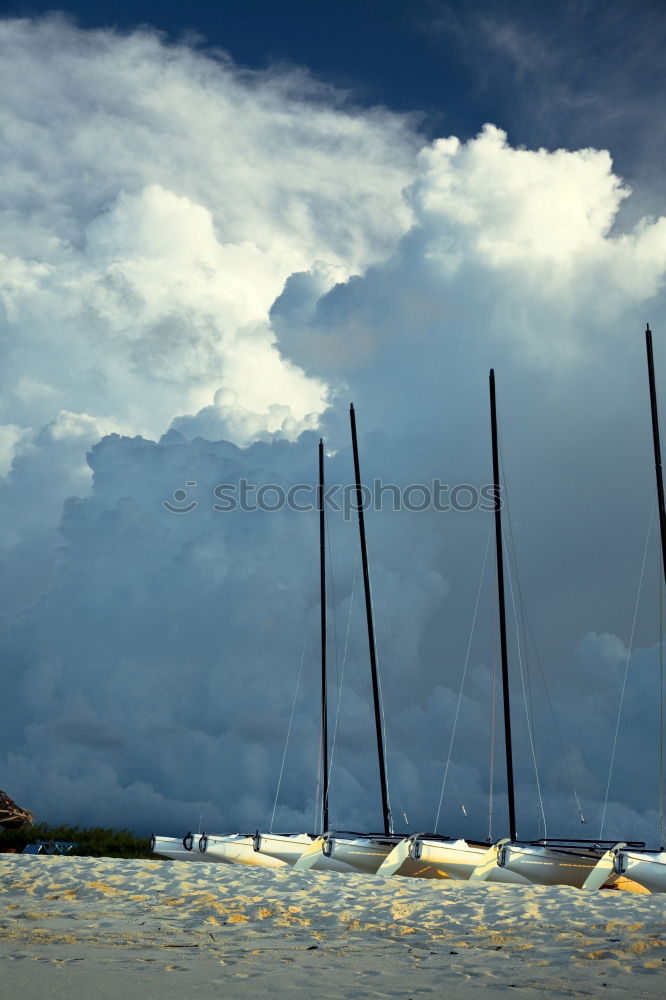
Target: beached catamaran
{"type": "Point", "coordinates": [330, 850]}
{"type": "Point", "coordinates": [545, 861]}
{"type": "Point", "coordinates": [176, 849]}
{"type": "Point", "coordinates": [648, 867]}
{"type": "Point", "coordinates": [459, 858]}
{"type": "Point", "coordinates": [269, 849]}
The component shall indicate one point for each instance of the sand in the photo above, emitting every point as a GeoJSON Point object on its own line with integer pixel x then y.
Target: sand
{"type": "Point", "coordinates": [80, 928]}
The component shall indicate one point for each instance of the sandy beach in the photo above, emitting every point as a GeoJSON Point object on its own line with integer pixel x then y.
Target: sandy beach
{"type": "Point", "coordinates": [78, 927]}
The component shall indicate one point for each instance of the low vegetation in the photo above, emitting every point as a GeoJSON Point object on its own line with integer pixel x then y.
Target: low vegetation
{"type": "Point", "coordinates": [96, 842]}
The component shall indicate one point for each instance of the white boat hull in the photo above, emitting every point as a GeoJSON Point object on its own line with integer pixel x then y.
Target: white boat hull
{"type": "Point", "coordinates": [172, 847]}
{"type": "Point", "coordinates": [648, 868]}
{"type": "Point", "coordinates": [542, 865]}
{"type": "Point", "coordinates": [359, 854]}
{"type": "Point", "coordinates": [456, 859]}
{"type": "Point", "coordinates": [288, 848]}
{"type": "Point", "coordinates": [237, 849]}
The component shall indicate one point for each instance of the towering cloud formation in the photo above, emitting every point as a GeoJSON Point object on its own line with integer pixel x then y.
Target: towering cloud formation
{"type": "Point", "coordinates": [154, 202]}
{"type": "Point", "coordinates": [200, 266]}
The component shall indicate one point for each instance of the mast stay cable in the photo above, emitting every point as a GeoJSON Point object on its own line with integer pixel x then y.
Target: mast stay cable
{"type": "Point", "coordinates": [626, 668]}
{"type": "Point", "coordinates": [342, 669]}
{"type": "Point", "coordinates": [527, 628]}
{"type": "Point", "coordinates": [291, 719]}
{"type": "Point", "coordinates": [530, 721]}
{"type": "Point", "coordinates": [462, 680]}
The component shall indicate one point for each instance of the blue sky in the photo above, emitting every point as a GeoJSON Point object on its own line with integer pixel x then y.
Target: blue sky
{"type": "Point", "coordinates": [220, 224]}
{"type": "Point", "coordinates": [546, 71]}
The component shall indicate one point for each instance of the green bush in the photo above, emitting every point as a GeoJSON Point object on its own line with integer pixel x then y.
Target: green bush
{"type": "Point", "coordinates": [96, 842]}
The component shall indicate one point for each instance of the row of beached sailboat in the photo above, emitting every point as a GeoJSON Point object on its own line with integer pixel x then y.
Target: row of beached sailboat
{"type": "Point", "coordinates": [587, 864]}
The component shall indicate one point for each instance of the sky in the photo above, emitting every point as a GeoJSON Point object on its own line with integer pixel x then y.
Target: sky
{"type": "Point", "coordinates": [220, 226]}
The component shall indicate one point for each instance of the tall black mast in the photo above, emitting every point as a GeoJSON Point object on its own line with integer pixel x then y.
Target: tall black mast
{"type": "Point", "coordinates": [657, 446]}
{"type": "Point", "coordinates": [322, 597]}
{"type": "Point", "coordinates": [371, 630]}
{"type": "Point", "coordinates": [502, 616]}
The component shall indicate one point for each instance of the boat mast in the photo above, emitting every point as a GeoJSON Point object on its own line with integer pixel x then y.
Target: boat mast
{"type": "Point", "coordinates": [322, 598]}
{"type": "Point", "coordinates": [662, 528]}
{"type": "Point", "coordinates": [371, 631]}
{"type": "Point", "coordinates": [502, 615]}
{"type": "Point", "coordinates": [657, 447]}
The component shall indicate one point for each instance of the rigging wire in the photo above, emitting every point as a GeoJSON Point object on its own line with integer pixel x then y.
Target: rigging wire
{"type": "Point", "coordinates": [317, 817]}
{"type": "Point", "coordinates": [558, 732]}
{"type": "Point", "coordinates": [530, 721]}
{"type": "Point", "coordinates": [527, 626]}
{"type": "Point", "coordinates": [462, 682]}
{"type": "Point", "coordinates": [626, 668]}
{"type": "Point", "coordinates": [338, 682]}
{"type": "Point", "coordinates": [360, 676]}
{"type": "Point", "coordinates": [329, 565]}
{"type": "Point", "coordinates": [512, 564]}
{"type": "Point", "coordinates": [291, 719]}
{"type": "Point", "coordinates": [549, 701]}
{"type": "Point", "coordinates": [383, 717]}
{"type": "Point", "coordinates": [491, 775]}
{"type": "Point", "coordinates": [459, 796]}
{"type": "Point", "coordinates": [342, 672]}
